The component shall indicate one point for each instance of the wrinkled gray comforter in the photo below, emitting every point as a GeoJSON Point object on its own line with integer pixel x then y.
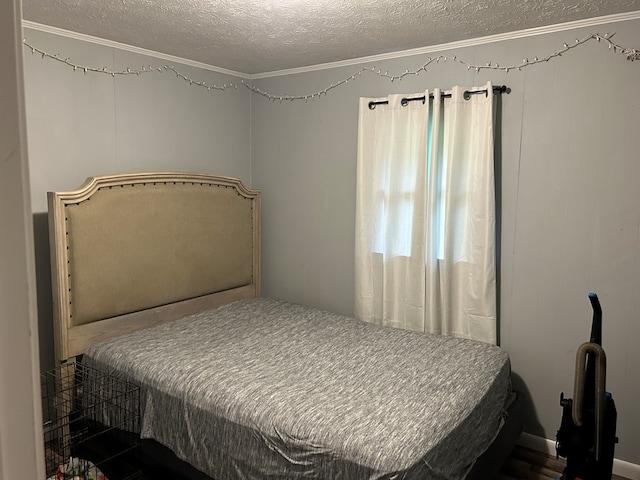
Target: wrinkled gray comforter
{"type": "Point", "coordinates": [262, 389]}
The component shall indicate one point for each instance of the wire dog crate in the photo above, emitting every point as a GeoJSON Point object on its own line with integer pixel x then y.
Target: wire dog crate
{"type": "Point", "coordinates": [91, 423]}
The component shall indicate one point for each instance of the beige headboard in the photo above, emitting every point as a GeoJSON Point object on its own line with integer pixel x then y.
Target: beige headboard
{"type": "Point", "coordinates": [134, 250]}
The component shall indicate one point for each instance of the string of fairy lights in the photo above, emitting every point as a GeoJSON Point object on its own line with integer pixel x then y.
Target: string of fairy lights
{"type": "Point", "coordinates": [629, 53]}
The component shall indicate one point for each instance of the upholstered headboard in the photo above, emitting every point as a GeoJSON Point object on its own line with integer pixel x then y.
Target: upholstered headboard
{"type": "Point", "coordinates": [134, 250]}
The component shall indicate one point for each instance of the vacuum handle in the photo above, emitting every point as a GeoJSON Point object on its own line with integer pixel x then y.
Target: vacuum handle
{"type": "Point", "coordinates": [596, 325]}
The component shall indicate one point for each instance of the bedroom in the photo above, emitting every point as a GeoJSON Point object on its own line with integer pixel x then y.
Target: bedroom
{"type": "Point", "coordinates": [569, 196]}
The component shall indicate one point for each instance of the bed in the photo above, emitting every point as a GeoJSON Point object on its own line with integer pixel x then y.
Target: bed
{"type": "Point", "coordinates": [156, 277]}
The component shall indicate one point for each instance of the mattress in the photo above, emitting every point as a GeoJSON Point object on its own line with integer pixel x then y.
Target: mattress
{"type": "Point", "coordinates": [261, 388]}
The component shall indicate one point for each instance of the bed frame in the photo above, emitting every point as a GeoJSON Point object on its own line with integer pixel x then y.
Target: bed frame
{"type": "Point", "coordinates": [135, 250]}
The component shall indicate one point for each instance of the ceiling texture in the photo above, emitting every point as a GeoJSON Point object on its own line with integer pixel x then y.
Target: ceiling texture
{"type": "Point", "coordinates": [259, 36]}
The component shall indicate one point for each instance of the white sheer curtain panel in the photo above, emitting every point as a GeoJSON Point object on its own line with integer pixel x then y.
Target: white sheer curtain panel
{"type": "Point", "coordinates": [425, 214]}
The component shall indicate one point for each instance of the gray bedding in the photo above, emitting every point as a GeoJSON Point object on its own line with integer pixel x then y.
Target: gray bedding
{"type": "Point", "coordinates": [263, 389]}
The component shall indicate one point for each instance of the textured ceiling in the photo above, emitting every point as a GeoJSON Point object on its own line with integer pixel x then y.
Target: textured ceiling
{"type": "Point", "coordinates": [256, 36]}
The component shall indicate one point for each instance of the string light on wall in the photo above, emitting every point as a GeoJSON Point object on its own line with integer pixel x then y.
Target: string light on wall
{"type": "Point", "coordinates": [144, 69]}
{"type": "Point", "coordinates": [629, 53]}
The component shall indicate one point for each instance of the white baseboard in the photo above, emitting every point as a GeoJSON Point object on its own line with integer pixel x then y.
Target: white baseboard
{"type": "Point", "coordinates": [544, 445]}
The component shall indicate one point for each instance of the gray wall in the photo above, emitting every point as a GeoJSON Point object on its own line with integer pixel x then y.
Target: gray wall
{"type": "Point", "coordinates": [570, 203]}
{"type": "Point", "coordinates": [81, 125]}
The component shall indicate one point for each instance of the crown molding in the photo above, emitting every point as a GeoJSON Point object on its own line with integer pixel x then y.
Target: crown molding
{"type": "Point", "coordinates": [531, 32]}
{"type": "Point", "coordinates": [130, 48]}
{"type": "Point", "coordinates": [560, 27]}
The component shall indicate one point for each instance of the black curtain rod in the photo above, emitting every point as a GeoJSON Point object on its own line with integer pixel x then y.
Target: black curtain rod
{"type": "Point", "coordinates": [467, 95]}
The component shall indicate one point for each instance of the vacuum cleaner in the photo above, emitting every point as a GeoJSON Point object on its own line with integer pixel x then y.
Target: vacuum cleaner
{"type": "Point", "coordinates": [587, 434]}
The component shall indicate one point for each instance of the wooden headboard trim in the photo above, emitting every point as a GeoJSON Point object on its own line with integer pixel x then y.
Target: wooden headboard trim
{"type": "Point", "coordinates": [71, 340]}
{"type": "Point", "coordinates": [81, 337]}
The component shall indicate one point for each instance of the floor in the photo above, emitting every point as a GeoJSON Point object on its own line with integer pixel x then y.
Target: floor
{"type": "Point", "coordinates": [526, 464]}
